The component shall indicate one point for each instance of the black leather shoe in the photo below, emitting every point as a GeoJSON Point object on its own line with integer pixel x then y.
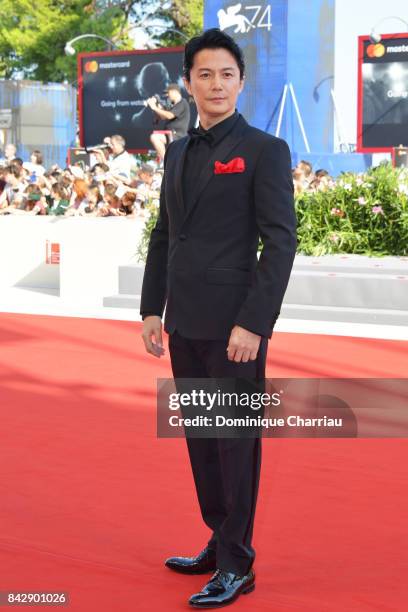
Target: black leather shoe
{"type": "Point", "coordinates": [203, 563]}
{"type": "Point", "coordinates": [222, 589]}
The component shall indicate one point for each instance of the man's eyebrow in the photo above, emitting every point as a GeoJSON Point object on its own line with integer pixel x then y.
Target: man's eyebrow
{"type": "Point", "coordinates": [226, 68]}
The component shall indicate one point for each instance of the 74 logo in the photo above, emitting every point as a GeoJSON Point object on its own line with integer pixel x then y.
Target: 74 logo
{"type": "Point", "coordinates": [232, 17]}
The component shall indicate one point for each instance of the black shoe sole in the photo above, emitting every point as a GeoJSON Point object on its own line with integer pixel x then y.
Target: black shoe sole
{"type": "Point", "coordinates": [246, 591]}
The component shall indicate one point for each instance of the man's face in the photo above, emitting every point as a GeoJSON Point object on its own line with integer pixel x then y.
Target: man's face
{"type": "Point", "coordinates": [303, 169]}
{"type": "Point", "coordinates": [215, 82]}
{"type": "Point", "coordinates": [146, 177]}
{"type": "Point", "coordinates": [116, 147]}
{"type": "Point", "coordinates": [173, 95]}
{"type": "Point", "coordinates": [298, 173]}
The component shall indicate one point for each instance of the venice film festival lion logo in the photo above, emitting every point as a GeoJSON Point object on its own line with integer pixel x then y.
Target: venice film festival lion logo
{"type": "Point", "coordinates": [232, 17]}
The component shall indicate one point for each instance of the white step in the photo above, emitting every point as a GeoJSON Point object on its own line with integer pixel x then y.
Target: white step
{"type": "Point", "coordinates": [122, 300]}
{"type": "Point", "coordinates": [348, 288]}
{"type": "Point", "coordinates": [348, 315]}
{"type": "Point", "coordinates": [131, 278]}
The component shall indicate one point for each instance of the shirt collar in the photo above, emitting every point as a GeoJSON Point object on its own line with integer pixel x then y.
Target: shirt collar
{"type": "Point", "coordinates": [221, 129]}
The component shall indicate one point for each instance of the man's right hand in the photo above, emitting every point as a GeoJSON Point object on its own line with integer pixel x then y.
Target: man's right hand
{"type": "Point", "coordinates": [152, 102]}
{"type": "Point", "coordinates": [152, 335]}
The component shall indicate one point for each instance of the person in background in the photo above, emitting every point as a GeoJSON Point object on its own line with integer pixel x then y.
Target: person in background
{"type": "Point", "coordinates": [120, 162]}
{"type": "Point", "coordinates": [15, 184]}
{"type": "Point", "coordinates": [19, 203]}
{"type": "Point", "coordinates": [177, 118]}
{"type": "Point", "coordinates": [59, 200]}
{"type": "Point", "coordinates": [302, 176]}
{"type": "Point", "coordinates": [32, 202]}
{"type": "Point", "coordinates": [146, 188]}
{"type": "Point", "coordinates": [78, 196]}
{"type": "Point", "coordinates": [323, 180]}
{"type": "Point", "coordinates": [10, 151]}
{"type": "Point", "coordinates": [101, 175]}
{"type": "Point", "coordinates": [17, 161]}
{"type": "Point", "coordinates": [35, 165]}
{"type": "Point", "coordinates": [111, 207]}
{"type": "Point", "coordinates": [129, 203]}
{"type": "Point", "coordinates": [145, 175]}
{"type": "Point", "coordinates": [99, 171]}
{"type": "Point", "coordinates": [2, 180]}
{"type": "Point", "coordinates": [92, 203]}
{"type": "Point", "coordinates": [36, 203]}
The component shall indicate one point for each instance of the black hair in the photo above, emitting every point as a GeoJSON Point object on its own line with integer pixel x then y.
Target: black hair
{"type": "Point", "coordinates": [103, 167]}
{"type": "Point", "coordinates": [307, 166]}
{"type": "Point", "coordinates": [212, 39]}
{"type": "Point", "coordinates": [60, 190]}
{"type": "Point", "coordinates": [38, 156]}
{"type": "Point", "coordinates": [321, 172]}
{"type": "Point", "coordinates": [146, 168]}
{"type": "Point", "coordinates": [13, 169]}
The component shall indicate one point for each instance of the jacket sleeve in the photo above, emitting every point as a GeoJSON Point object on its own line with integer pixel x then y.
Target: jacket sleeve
{"type": "Point", "coordinates": [154, 287]}
{"type": "Point", "coordinates": [276, 220]}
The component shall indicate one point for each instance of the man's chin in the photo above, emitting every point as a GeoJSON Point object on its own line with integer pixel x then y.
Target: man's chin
{"type": "Point", "coordinates": [216, 110]}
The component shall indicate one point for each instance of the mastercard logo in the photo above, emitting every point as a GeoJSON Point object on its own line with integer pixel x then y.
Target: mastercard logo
{"type": "Point", "coordinates": [377, 50]}
{"type": "Point", "coordinates": [91, 66]}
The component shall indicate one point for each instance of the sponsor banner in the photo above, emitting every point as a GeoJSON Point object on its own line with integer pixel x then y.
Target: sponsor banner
{"type": "Point", "coordinates": [113, 88]}
{"type": "Point", "coordinates": [383, 93]}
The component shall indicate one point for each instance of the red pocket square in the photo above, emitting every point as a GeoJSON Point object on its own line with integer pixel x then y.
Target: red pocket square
{"type": "Point", "coordinates": [234, 165]}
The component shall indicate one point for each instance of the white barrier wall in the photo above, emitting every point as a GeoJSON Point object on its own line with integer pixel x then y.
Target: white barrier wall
{"type": "Point", "coordinates": [91, 249]}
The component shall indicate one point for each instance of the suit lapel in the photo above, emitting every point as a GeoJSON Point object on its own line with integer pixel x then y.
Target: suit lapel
{"type": "Point", "coordinates": [179, 173]}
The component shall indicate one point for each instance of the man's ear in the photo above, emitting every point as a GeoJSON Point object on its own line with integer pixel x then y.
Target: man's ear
{"type": "Point", "coordinates": [242, 83]}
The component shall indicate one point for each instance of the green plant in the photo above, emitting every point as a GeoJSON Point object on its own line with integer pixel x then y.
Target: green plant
{"type": "Point", "coordinates": [362, 213]}
{"type": "Point", "coordinates": [141, 252]}
{"type": "Point", "coordinates": [366, 214]}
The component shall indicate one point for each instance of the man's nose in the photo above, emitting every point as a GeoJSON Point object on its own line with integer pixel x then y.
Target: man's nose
{"type": "Point", "coordinates": [216, 82]}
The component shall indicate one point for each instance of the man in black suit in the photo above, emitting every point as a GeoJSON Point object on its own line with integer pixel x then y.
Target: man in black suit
{"type": "Point", "coordinates": [225, 185]}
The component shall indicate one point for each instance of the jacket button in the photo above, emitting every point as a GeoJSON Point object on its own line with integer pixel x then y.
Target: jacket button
{"type": "Point", "coordinates": [182, 237]}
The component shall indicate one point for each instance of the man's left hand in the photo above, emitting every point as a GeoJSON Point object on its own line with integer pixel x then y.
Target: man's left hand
{"type": "Point", "coordinates": [243, 345]}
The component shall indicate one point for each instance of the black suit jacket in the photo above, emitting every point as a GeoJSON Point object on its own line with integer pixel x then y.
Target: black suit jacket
{"type": "Point", "coordinates": [203, 261]}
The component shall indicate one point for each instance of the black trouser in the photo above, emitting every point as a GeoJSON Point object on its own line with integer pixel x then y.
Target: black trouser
{"type": "Point", "coordinates": [226, 470]}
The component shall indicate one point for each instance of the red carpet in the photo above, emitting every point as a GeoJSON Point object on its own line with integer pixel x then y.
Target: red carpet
{"type": "Point", "coordinates": [92, 502]}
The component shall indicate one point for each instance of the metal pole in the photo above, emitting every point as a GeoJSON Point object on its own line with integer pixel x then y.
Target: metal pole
{"type": "Point", "coordinates": [282, 106]}
{"type": "Point", "coordinates": [299, 118]}
{"type": "Point", "coordinates": [339, 125]}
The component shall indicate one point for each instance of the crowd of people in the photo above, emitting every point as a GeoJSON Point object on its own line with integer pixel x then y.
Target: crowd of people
{"type": "Point", "coordinates": [304, 179]}
{"type": "Point", "coordinates": [114, 185]}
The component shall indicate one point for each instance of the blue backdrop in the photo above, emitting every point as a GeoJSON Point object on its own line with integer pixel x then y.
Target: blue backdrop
{"type": "Point", "coordinates": [284, 41]}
